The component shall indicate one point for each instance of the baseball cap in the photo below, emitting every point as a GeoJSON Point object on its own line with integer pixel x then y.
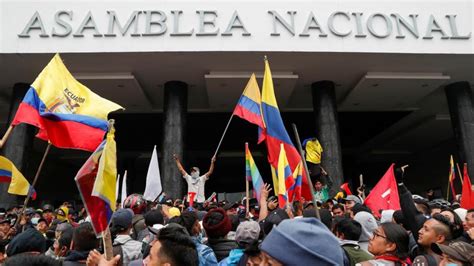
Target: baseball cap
{"type": "Point", "coordinates": [457, 250]}
{"type": "Point", "coordinates": [122, 218]}
{"type": "Point", "coordinates": [353, 198]}
{"type": "Point", "coordinates": [247, 232]}
{"type": "Point", "coordinates": [230, 205]}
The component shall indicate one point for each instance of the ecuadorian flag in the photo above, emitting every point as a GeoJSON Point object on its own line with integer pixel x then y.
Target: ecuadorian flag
{"type": "Point", "coordinates": [283, 172]}
{"type": "Point", "coordinates": [275, 135]}
{"type": "Point", "coordinates": [249, 105]}
{"type": "Point", "coordinates": [67, 113]}
{"type": "Point", "coordinates": [95, 186]}
{"type": "Point", "coordinates": [295, 189]}
{"type": "Point", "coordinates": [18, 183]}
{"type": "Point", "coordinates": [252, 173]}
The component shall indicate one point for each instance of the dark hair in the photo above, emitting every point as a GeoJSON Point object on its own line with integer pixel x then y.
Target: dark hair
{"type": "Point", "coordinates": [187, 220]}
{"type": "Point", "coordinates": [177, 246]}
{"type": "Point", "coordinates": [399, 218]}
{"type": "Point", "coordinates": [65, 239]}
{"type": "Point", "coordinates": [448, 226]}
{"type": "Point", "coordinates": [360, 208]}
{"type": "Point", "coordinates": [154, 217]}
{"type": "Point", "coordinates": [235, 221]}
{"type": "Point", "coordinates": [396, 234]}
{"type": "Point", "coordinates": [350, 228]}
{"type": "Point", "coordinates": [470, 210]}
{"type": "Point", "coordinates": [457, 224]}
{"type": "Point", "coordinates": [84, 238]}
{"type": "Point", "coordinates": [337, 206]}
{"type": "Point", "coordinates": [28, 259]}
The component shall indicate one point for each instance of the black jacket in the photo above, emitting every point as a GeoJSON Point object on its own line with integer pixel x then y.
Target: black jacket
{"type": "Point", "coordinates": [221, 247]}
{"type": "Point", "coordinates": [414, 218]}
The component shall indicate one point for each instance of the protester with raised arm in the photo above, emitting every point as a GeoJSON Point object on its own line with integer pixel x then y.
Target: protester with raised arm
{"type": "Point", "coordinates": [195, 181]}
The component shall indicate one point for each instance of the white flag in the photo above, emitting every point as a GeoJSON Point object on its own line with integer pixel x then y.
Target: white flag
{"type": "Point", "coordinates": [124, 188]}
{"type": "Point", "coordinates": [153, 179]}
{"type": "Point", "coordinates": [117, 184]}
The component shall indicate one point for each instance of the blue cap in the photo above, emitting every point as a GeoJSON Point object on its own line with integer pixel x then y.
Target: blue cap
{"type": "Point", "coordinates": [304, 241]}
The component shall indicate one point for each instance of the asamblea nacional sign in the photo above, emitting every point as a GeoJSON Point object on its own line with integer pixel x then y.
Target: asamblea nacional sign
{"type": "Point", "coordinates": [391, 26]}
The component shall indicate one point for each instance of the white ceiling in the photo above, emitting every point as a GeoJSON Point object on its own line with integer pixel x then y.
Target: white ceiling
{"type": "Point", "coordinates": [216, 80]}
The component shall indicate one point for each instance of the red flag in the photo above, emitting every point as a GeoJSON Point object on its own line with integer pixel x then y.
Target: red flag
{"type": "Point", "coordinates": [384, 196]}
{"type": "Point", "coordinates": [191, 196]}
{"type": "Point", "coordinates": [467, 198]}
{"type": "Point", "coordinates": [345, 188]}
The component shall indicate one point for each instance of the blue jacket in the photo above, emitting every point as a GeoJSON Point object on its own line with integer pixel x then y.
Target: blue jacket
{"type": "Point", "coordinates": [234, 257]}
{"type": "Point", "coordinates": [205, 253]}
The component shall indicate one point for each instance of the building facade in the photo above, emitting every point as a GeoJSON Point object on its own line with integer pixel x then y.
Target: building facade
{"type": "Point", "coordinates": [376, 81]}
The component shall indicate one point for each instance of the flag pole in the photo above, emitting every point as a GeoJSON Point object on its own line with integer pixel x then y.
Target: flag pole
{"type": "Point", "coordinates": [5, 137]}
{"type": "Point", "coordinates": [459, 173]}
{"type": "Point", "coordinates": [40, 167]}
{"type": "Point", "coordinates": [107, 241]}
{"type": "Point", "coordinates": [447, 192]}
{"type": "Point", "coordinates": [247, 200]}
{"type": "Point", "coordinates": [223, 134]}
{"type": "Point", "coordinates": [247, 193]}
{"type": "Point", "coordinates": [308, 178]}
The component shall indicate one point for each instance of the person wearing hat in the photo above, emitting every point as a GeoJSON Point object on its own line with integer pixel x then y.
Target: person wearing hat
{"type": "Point", "coordinates": [350, 201]}
{"type": "Point", "coordinates": [47, 213]}
{"type": "Point", "coordinates": [195, 181]}
{"type": "Point", "coordinates": [292, 242]}
{"type": "Point", "coordinates": [231, 208]}
{"type": "Point", "coordinates": [124, 245]}
{"type": "Point", "coordinates": [30, 241]}
{"type": "Point", "coordinates": [5, 228]}
{"type": "Point", "coordinates": [42, 226]}
{"type": "Point", "coordinates": [456, 253]}
{"type": "Point", "coordinates": [247, 233]}
{"type": "Point", "coordinates": [217, 225]}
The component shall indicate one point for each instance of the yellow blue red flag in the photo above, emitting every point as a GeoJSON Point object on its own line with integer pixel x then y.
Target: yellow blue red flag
{"type": "Point", "coordinates": [284, 173]}
{"type": "Point", "coordinates": [18, 183]}
{"type": "Point", "coordinates": [67, 113]}
{"type": "Point", "coordinates": [249, 105]}
{"type": "Point", "coordinates": [105, 182]}
{"type": "Point", "coordinates": [275, 133]}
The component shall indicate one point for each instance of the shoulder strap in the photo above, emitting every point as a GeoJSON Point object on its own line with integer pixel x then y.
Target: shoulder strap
{"type": "Point", "coordinates": [117, 250]}
{"type": "Point", "coordinates": [346, 257]}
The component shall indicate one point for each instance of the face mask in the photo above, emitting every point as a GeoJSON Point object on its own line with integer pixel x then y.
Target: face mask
{"type": "Point", "coordinates": [35, 220]}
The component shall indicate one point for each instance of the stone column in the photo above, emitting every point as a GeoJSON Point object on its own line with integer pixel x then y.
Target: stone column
{"type": "Point", "coordinates": [175, 109]}
{"type": "Point", "coordinates": [461, 110]}
{"type": "Point", "coordinates": [18, 146]}
{"type": "Point", "coordinates": [327, 130]}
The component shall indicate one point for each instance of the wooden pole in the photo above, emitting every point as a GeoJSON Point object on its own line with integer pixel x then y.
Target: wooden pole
{"type": "Point", "coordinates": [107, 241]}
{"type": "Point", "coordinates": [310, 183]}
{"type": "Point", "coordinates": [460, 176]}
{"type": "Point", "coordinates": [40, 167]}
{"type": "Point", "coordinates": [223, 134]}
{"type": "Point", "coordinates": [5, 137]}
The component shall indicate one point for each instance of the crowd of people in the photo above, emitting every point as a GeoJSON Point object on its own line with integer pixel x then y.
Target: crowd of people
{"type": "Point", "coordinates": [170, 232]}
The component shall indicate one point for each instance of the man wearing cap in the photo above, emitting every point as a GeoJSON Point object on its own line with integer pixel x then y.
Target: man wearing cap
{"type": "Point", "coordinates": [247, 233]}
{"type": "Point", "coordinates": [6, 231]}
{"type": "Point", "coordinates": [350, 201]}
{"type": "Point", "coordinates": [231, 208]}
{"type": "Point", "coordinates": [456, 253]}
{"type": "Point", "coordinates": [47, 214]}
{"type": "Point", "coordinates": [292, 242]}
{"type": "Point", "coordinates": [195, 181]}
{"type": "Point", "coordinates": [124, 245]}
